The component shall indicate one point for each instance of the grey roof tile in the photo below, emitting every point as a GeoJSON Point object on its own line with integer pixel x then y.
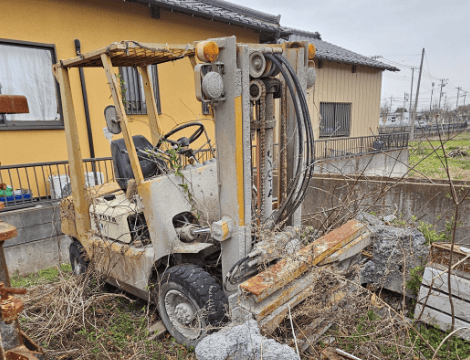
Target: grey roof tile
{"type": "Point", "coordinates": [224, 11]}
{"type": "Point", "coordinates": [330, 52]}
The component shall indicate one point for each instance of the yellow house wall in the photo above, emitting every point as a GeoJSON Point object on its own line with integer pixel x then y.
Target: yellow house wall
{"type": "Point", "coordinates": [336, 83]}
{"type": "Point", "coordinates": [98, 23]}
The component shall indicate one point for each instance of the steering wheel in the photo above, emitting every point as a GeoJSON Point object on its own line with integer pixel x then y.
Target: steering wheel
{"type": "Point", "coordinates": [183, 141]}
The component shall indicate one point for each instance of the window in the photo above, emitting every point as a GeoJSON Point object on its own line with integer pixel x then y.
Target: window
{"type": "Point", "coordinates": [26, 69]}
{"type": "Point", "coordinates": [335, 119]}
{"type": "Point", "coordinates": [135, 94]}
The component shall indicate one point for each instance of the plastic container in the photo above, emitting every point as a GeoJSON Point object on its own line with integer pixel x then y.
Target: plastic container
{"type": "Point", "coordinates": [7, 192]}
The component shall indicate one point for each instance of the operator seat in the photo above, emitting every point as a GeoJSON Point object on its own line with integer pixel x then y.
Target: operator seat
{"type": "Point", "coordinates": [150, 166]}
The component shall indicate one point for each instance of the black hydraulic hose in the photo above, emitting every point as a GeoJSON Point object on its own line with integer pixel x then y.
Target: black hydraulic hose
{"type": "Point", "coordinates": [300, 192]}
{"type": "Point", "coordinates": [309, 132]}
{"type": "Point", "coordinates": [233, 271]}
{"type": "Point", "coordinates": [276, 63]}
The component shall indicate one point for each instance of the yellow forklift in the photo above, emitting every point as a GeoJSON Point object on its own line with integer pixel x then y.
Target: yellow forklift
{"type": "Point", "coordinates": [192, 234]}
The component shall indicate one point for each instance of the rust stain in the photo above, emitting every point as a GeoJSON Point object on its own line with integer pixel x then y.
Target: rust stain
{"type": "Point", "coordinates": [7, 231]}
{"type": "Point", "coordinates": [284, 271]}
{"type": "Point", "coordinates": [10, 308]}
{"type": "Point", "coordinates": [13, 104]}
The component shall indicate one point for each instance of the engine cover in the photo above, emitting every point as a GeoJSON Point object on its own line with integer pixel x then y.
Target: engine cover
{"type": "Point", "coordinates": [117, 219]}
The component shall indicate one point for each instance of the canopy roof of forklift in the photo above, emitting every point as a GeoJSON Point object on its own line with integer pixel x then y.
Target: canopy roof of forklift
{"type": "Point", "coordinates": [132, 53]}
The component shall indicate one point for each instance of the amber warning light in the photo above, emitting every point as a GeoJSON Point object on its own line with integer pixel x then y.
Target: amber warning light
{"type": "Point", "coordinates": [311, 51]}
{"type": "Point", "coordinates": [207, 51]}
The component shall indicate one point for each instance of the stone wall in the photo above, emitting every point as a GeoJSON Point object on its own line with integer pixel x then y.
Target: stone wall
{"type": "Point", "coordinates": [338, 197]}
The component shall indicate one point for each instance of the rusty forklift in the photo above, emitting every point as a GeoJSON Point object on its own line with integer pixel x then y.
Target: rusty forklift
{"type": "Point", "coordinates": [194, 234]}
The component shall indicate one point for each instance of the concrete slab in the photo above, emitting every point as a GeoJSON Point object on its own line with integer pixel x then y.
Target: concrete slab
{"type": "Point", "coordinates": [37, 255]}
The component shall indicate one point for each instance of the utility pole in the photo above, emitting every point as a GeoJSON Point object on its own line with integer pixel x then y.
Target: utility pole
{"type": "Point", "coordinates": [405, 99]}
{"type": "Point", "coordinates": [430, 105]}
{"type": "Point", "coordinates": [464, 96]}
{"type": "Point", "coordinates": [416, 100]}
{"type": "Point", "coordinates": [411, 92]}
{"type": "Point", "coordinates": [440, 95]}
{"type": "Point", "coordinates": [391, 104]}
{"type": "Point", "coordinates": [458, 92]}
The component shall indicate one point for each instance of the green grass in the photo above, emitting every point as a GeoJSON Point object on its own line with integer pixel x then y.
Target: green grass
{"type": "Point", "coordinates": [41, 277]}
{"type": "Point", "coordinates": [433, 166]}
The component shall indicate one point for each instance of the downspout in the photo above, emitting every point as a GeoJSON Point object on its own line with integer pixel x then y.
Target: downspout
{"type": "Point", "coordinates": [87, 111]}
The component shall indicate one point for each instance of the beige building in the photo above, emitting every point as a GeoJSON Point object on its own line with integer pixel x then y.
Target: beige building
{"type": "Point", "coordinates": [346, 100]}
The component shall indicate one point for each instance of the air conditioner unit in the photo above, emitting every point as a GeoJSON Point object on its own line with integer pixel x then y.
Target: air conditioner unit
{"type": "Point", "coordinates": [59, 185]}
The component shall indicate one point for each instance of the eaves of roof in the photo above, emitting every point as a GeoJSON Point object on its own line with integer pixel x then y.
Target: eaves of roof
{"type": "Point", "coordinates": [219, 10]}
{"type": "Point", "coordinates": [334, 53]}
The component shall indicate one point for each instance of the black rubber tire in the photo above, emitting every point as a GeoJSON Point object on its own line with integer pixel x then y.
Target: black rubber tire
{"type": "Point", "coordinates": [202, 290]}
{"type": "Point", "coordinates": [78, 256]}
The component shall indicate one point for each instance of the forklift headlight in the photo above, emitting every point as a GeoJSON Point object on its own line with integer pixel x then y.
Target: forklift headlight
{"type": "Point", "coordinates": [207, 51]}
{"type": "Point", "coordinates": [311, 51]}
{"type": "Point", "coordinates": [213, 85]}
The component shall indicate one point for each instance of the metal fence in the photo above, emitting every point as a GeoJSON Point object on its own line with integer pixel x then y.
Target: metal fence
{"type": "Point", "coordinates": [357, 146]}
{"type": "Point", "coordinates": [36, 183]}
{"type": "Point", "coordinates": [427, 130]}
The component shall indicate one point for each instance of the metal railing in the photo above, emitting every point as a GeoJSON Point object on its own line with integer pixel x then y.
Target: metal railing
{"type": "Point", "coordinates": [427, 130]}
{"type": "Point", "coordinates": [358, 146]}
{"type": "Point", "coordinates": [36, 183]}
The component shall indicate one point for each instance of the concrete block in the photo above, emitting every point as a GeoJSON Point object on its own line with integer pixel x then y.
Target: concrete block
{"type": "Point", "coordinates": [12, 218]}
{"type": "Point", "coordinates": [41, 215]}
{"type": "Point", "coordinates": [37, 255]}
{"type": "Point", "coordinates": [396, 252]}
{"type": "Point", "coordinates": [34, 233]}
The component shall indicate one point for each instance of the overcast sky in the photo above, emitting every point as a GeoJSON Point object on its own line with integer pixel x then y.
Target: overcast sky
{"type": "Point", "coordinates": [396, 29]}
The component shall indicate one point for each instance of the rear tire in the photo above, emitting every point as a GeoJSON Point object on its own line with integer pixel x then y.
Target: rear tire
{"type": "Point", "coordinates": [189, 301]}
{"type": "Point", "coordinates": [77, 258]}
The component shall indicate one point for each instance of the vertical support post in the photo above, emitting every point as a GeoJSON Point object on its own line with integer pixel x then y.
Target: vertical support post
{"type": "Point", "coordinates": [80, 203]}
{"type": "Point", "coordinates": [152, 111]}
{"type": "Point", "coordinates": [296, 58]}
{"type": "Point", "coordinates": [269, 158]}
{"type": "Point", "coordinates": [121, 113]}
{"type": "Point", "coordinates": [231, 119]}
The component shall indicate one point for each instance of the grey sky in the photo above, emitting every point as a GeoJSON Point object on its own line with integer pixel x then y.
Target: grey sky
{"type": "Point", "coordinates": [395, 29]}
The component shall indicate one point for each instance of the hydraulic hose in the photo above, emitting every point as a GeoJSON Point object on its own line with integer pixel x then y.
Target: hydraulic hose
{"type": "Point", "coordinates": [297, 193]}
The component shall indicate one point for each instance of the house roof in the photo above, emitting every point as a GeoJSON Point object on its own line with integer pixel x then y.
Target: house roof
{"type": "Point", "coordinates": [330, 52]}
{"type": "Point", "coordinates": [225, 12]}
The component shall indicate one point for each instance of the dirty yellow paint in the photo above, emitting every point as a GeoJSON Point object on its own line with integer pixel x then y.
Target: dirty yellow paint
{"type": "Point", "coordinates": [239, 158]}
{"type": "Point", "coordinates": [224, 230]}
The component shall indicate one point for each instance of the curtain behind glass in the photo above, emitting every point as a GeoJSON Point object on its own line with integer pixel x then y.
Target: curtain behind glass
{"type": "Point", "coordinates": [28, 71]}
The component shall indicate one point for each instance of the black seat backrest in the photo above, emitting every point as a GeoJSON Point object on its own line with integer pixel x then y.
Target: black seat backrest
{"type": "Point", "coordinates": [122, 165]}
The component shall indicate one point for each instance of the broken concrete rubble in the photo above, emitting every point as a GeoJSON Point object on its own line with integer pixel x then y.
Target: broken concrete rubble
{"type": "Point", "coordinates": [396, 251]}
{"type": "Point", "coordinates": [242, 342]}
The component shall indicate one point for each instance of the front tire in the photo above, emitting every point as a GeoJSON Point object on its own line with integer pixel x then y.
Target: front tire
{"type": "Point", "coordinates": [189, 301]}
{"type": "Point", "coordinates": [77, 258]}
